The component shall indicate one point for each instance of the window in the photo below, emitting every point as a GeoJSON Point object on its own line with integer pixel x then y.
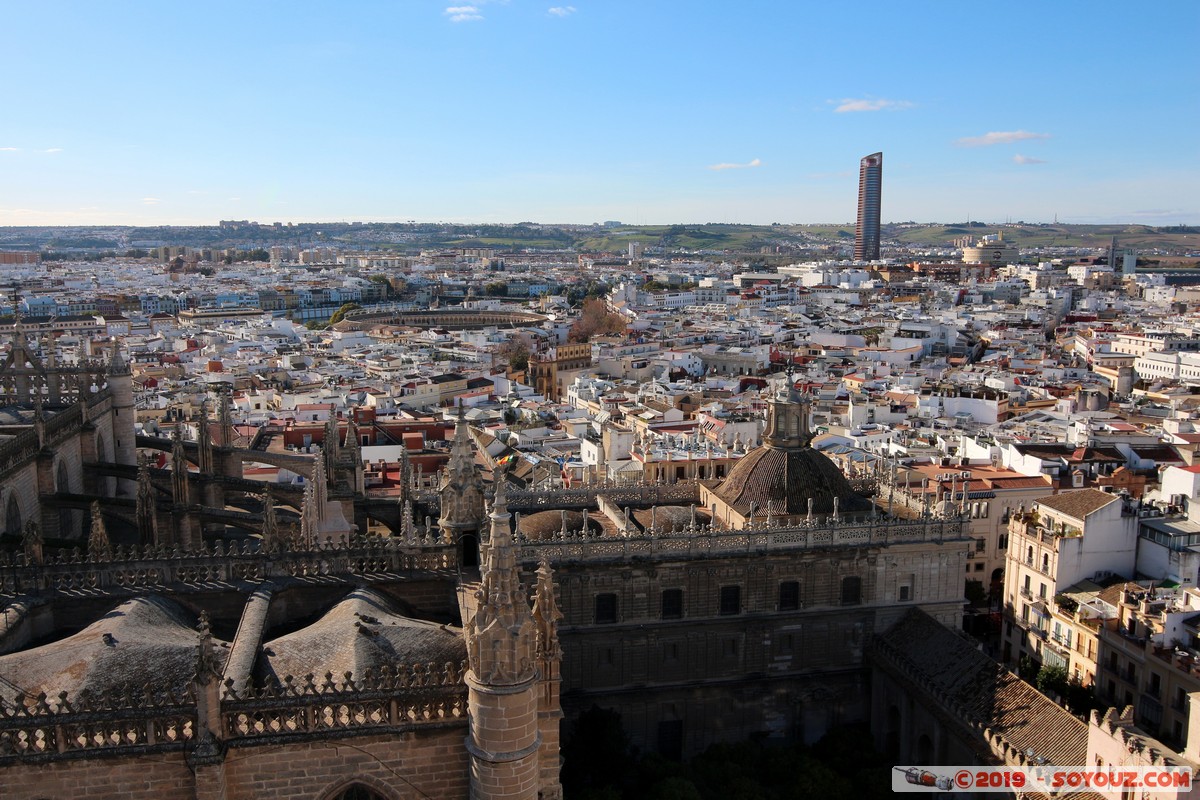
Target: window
{"type": "Point", "coordinates": [606, 609]}
{"type": "Point", "coordinates": [851, 590]}
{"type": "Point", "coordinates": [905, 593]}
{"type": "Point", "coordinates": [357, 792]}
{"type": "Point", "coordinates": [789, 595]}
{"type": "Point", "coordinates": [671, 651]}
{"type": "Point", "coordinates": [729, 648]}
{"type": "Point", "coordinates": [1003, 545]}
{"type": "Point", "coordinates": [672, 604]}
{"type": "Point", "coordinates": [670, 739]}
{"type": "Point", "coordinates": [731, 600]}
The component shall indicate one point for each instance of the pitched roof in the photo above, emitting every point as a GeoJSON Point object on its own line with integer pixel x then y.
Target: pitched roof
{"type": "Point", "coordinates": [1078, 504]}
{"type": "Point", "coordinates": [980, 691]}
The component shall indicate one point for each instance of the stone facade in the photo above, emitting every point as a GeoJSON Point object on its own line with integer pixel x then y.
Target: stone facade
{"type": "Point", "coordinates": [696, 632]}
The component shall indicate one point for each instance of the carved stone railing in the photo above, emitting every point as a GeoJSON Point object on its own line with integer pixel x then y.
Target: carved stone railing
{"type": "Point", "coordinates": [135, 568]}
{"type": "Point", "coordinates": [703, 540]}
{"type": "Point", "coordinates": [393, 699]}
{"type": "Point", "coordinates": [638, 495]}
{"type": "Point", "coordinates": [132, 721]}
{"type": "Point", "coordinates": [129, 721]}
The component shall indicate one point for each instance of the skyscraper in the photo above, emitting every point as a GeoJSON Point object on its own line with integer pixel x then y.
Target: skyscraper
{"type": "Point", "coordinates": [870, 194]}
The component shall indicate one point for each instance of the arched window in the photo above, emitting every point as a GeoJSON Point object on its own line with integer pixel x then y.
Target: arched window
{"type": "Point", "coordinates": [12, 517]}
{"type": "Point", "coordinates": [357, 792]}
{"type": "Point", "coordinates": [62, 483]}
{"type": "Point", "coordinates": [851, 590]}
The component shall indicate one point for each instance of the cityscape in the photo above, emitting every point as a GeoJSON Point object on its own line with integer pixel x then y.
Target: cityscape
{"type": "Point", "coordinates": [384, 416]}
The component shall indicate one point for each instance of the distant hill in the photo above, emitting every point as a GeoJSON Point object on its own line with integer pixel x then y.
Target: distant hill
{"type": "Point", "coordinates": [714, 238]}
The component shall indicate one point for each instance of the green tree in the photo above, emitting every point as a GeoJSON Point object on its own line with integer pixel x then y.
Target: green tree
{"type": "Point", "coordinates": [496, 289]}
{"type": "Point", "coordinates": [340, 314]}
{"type": "Point", "coordinates": [1052, 680]}
{"type": "Point", "coordinates": [976, 595]}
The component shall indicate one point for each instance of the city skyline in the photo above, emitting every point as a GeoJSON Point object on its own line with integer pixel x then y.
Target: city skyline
{"type": "Point", "coordinates": [503, 111]}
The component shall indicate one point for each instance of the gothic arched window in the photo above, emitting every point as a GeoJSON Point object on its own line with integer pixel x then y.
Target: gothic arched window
{"type": "Point", "coordinates": [357, 792]}
{"type": "Point", "coordinates": [12, 517]}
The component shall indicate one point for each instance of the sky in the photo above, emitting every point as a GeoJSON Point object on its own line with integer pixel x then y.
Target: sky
{"type": "Point", "coordinates": [654, 111]}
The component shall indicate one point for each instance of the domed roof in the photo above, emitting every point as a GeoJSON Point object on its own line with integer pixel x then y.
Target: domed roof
{"type": "Point", "coordinates": [144, 640]}
{"type": "Point", "coordinates": [547, 524]}
{"type": "Point", "coordinates": [781, 476]}
{"type": "Point", "coordinates": [363, 631]}
{"type": "Point", "coordinates": [780, 481]}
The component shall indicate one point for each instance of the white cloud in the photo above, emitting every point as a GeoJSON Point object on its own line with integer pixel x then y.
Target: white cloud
{"type": "Point", "coordinates": [755, 163]}
{"type": "Point", "coordinates": [1020, 159]}
{"type": "Point", "coordinates": [9, 149]}
{"type": "Point", "coordinates": [999, 137]}
{"type": "Point", "coordinates": [463, 13]}
{"type": "Point", "coordinates": [849, 104]}
{"type": "Point", "coordinates": [150, 201]}
{"type": "Point", "coordinates": [561, 11]}
{"type": "Point", "coordinates": [53, 150]}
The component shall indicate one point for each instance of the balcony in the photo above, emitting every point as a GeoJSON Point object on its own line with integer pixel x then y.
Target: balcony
{"type": "Point", "coordinates": [1028, 595]}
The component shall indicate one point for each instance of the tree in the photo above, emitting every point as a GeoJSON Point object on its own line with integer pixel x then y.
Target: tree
{"type": "Point", "coordinates": [340, 314]}
{"type": "Point", "coordinates": [496, 289]}
{"type": "Point", "coordinates": [975, 593]}
{"type": "Point", "coordinates": [596, 320]}
{"type": "Point", "coordinates": [516, 350]}
{"type": "Point", "coordinates": [1052, 680]}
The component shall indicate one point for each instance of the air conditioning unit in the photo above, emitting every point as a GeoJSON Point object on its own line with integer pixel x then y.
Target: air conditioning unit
{"type": "Point", "coordinates": [965, 474]}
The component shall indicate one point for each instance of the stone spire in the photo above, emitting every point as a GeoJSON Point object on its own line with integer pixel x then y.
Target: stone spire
{"type": "Point", "coordinates": [99, 547]}
{"type": "Point", "coordinates": [501, 638]}
{"type": "Point", "coordinates": [225, 420]}
{"type": "Point", "coordinates": [461, 488]}
{"type": "Point", "coordinates": [204, 440]}
{"type": "Point", "coordinates": [147, 518]}
{"type": "Point", "coordinates": [329, 445]}
{"type": "Point", "coordinates": [270, 529]}
{"type": "Point", "coordinates": [117, 365]}
{"type": "Point", "coordinates": [321, 519]}
{"type": "Point", "coordinates": [354, 454]}
{"type": "Point", "coordinates": [180, 494]}
{"type": "Point", "coordinates": [546, 614]}
{"type": "Point", "coordinates": [309, 516]}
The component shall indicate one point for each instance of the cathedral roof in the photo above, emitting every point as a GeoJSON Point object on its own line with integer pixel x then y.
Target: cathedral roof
{"type": "Point", "coordinates": [781, 481]}
{"type": "Point", "coordinates": [363, 631]}
{"type": "Point", "coordinates": [783, 474]}
{"type": "Point", "coordinates": [670, 519]}
{"type": "Point", "coordinates": [147, 640]}
{"type": "Point", "coordinates": [545, 524]}
{"type": "Point", "coordinates": [982, 691]}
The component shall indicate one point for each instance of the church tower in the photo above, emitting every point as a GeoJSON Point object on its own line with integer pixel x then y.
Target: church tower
{"type": "Point", "coordinates": [505, 740]}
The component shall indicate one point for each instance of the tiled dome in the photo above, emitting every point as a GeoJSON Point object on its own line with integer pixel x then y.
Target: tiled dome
{"type": "Point", "coordinates": [781, 481]}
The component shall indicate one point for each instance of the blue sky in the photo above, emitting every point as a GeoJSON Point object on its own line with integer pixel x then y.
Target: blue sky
{"type": "Point", "coordinates": [652, 112]}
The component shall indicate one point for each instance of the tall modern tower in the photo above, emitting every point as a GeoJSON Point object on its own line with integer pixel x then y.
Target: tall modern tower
{"type": "Point", "coordinates": [870, 195]}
